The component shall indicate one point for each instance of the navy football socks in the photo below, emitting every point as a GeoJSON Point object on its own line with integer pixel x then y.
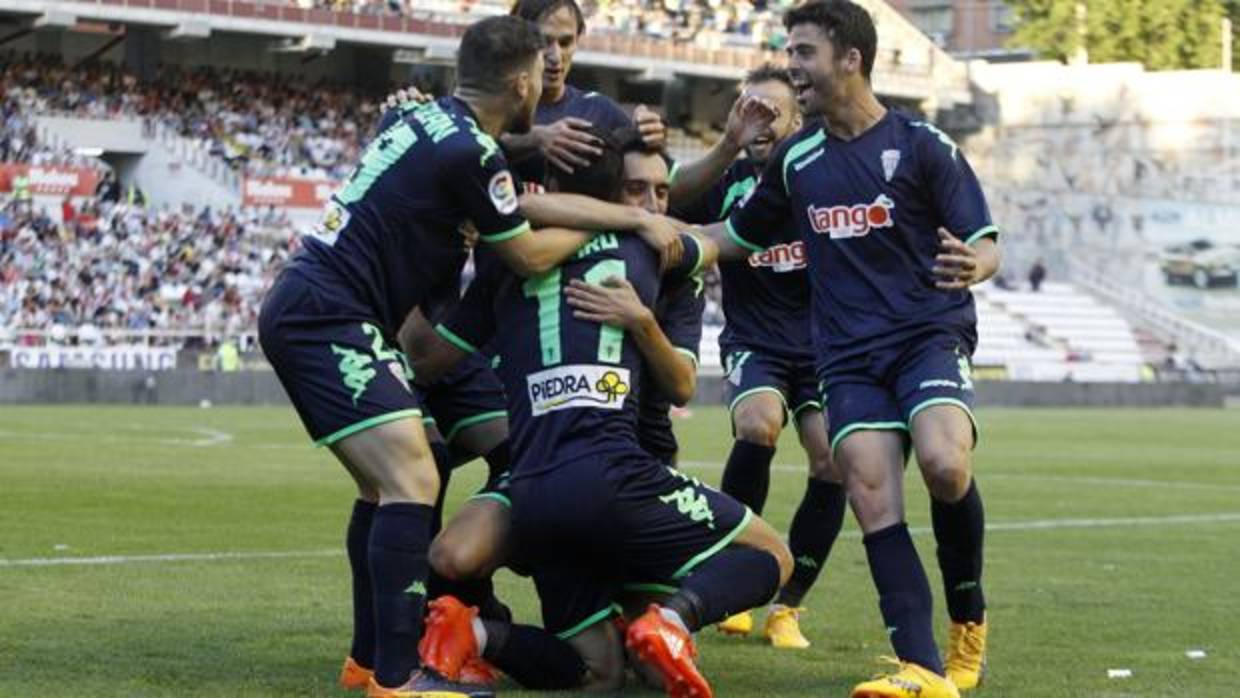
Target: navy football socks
{"type": "Point", "coordinates": [733, 580]}
{"type": "Point", "coordinates": [747, 475]}
{"type": "Point", "coordinates": [357, 540]}
{"type": "Point", "coordinates": [533, 657]}
{"type": "Point", "coordinates": [959, 530]}
{"type": "Point", "coordinates": [903, 595]}
{"type": "Point", "coordinates": [399, 537]}
{"type": "Point", "coordinates": [814, 529]}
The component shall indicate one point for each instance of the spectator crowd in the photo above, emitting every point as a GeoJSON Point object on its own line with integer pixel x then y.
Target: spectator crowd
{"type": "Point", "coordinates": [120, 267]}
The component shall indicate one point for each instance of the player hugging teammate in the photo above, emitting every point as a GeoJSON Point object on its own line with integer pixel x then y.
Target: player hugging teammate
{"type": "Point", "coordinates": [848, 237]}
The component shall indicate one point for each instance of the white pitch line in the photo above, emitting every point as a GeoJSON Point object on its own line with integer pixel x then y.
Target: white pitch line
{"type": "Point", "coordinates": [169, 557]}
{"type": "Point", "coordinates": [207, 438]}
{"type": "Point", "coordinates": [984, 476]}
{"type": "Point", "coordinates": [999, 526]}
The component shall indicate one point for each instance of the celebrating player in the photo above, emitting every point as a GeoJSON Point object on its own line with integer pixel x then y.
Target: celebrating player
{"type": "Point", "coordinates": [769, 364]}
{"type": "Point", "coordinates": [386, 239]}
{"type": "Point", "coordinates": [877, 196]}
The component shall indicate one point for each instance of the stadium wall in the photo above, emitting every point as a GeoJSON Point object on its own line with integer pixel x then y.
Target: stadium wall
{"type": "Point", "coordinates": [190, 387]}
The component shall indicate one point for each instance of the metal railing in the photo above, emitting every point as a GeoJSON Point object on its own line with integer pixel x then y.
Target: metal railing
{"type": "Point", "coordinates": [1208, 344]}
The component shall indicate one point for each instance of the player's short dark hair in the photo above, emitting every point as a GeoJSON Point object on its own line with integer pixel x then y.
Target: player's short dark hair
{"type": "Point", "coordinates": [536, 10]}
{"type": "Point", "coordinates": [631, 141]}
{"type": "Point", "coordinates": [846, 23]}
{"type": "Point", "coordinates": [769, 72]}
{"type": "Point", "coordinates": [602, 178]}
{"type": "Point", "coordinates": [493, 49]}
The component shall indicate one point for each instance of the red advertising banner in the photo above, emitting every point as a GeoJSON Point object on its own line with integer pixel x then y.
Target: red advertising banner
{"type": "Point", "coordinates": [50, 180]}
{"type": "Point", "coordinates": [286, 192]}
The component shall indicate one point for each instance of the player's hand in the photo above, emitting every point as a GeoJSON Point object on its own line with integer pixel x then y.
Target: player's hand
{"type": "Point", "coordinates": [663, 234]}
{"type": "Point", "coordinates": [957, 265]}
{"type": "Point", "coordinates": [404, 96]}
{"type": "Point", "coordinates": [614, 302]}
{"type": "Point", "coordinates": [567, 144]}
{"type": "Point", "coordinates": [650, 126]}
{"type": "Point", "coordinates": [750, 118]}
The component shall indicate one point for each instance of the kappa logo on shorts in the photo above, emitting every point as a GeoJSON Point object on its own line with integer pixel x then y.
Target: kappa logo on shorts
{"type": "Point", "coordinates": [690, 501]}
{"type": "Point", "coordinates": [356, 371]}
{"type": "Point", "coordinates": [576, 386]}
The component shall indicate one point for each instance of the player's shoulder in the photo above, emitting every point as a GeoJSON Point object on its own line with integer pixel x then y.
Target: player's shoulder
{"type": "Point", "coordinates": [927, 138]}
{"type": "Point", "coordinates": [800, 147]}
{"type": "Point", "coordinates": [451, 126]}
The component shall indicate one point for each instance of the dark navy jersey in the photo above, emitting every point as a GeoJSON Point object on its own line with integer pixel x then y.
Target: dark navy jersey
{"type": "Point", "coordinates": [596, 108]}
{"type": "Point", "coordinates": [766, 296]}
{"type": "Point", "coordinates": [868, 211]}
{"type": "Point", "coordinates": [390, 236]}
{"type": "Point", "coordinates": [678, 311]}
{"type": "Point", "coordinates": [572, 385]}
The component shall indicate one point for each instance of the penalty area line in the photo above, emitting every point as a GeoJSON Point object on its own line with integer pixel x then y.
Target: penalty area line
{"type": "Point", "coordinates": [167, 557]}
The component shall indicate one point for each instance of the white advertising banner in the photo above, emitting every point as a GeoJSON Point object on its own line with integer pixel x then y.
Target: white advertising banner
{"type": "Point", "coordinates": [116, 358]}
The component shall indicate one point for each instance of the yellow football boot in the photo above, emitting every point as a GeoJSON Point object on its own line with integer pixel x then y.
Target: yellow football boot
{"type": "Point", "coordinates": [739, 624]}
{"type": "Point", "coordinates": [783, 628]}
{"type": "Point", "coordinates": [966, 654]}
{"type": "Point", "coordinates": [911, 681]}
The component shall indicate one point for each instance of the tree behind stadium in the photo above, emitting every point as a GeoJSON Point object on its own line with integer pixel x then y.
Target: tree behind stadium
{"type": "Point", "coordinates": [1160, 34]}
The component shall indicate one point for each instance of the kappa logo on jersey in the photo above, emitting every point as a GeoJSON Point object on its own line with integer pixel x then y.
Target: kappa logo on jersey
{"type": "Point", "coordinates": [503, 192]}
{"type": "Point", "coordinates": [852, 221]}
{"type": "Point", "coordinates": [576, 386]}
{"type": "Point", "coordinates": [780, 258]}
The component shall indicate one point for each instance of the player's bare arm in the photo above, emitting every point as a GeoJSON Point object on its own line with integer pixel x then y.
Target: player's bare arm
{"type": "Point", "coordinates": [584, 213]}
{"type": "Point", "coordinates": [718, 241]}
{"type": "Point", "coordinates": [430, 355]}
{"type": "Point", "coordinates": [959, 266]}
{"type": "Point", "coordinates": [615, 303]}
{"type": "Point", "coordinates": [749, 118]}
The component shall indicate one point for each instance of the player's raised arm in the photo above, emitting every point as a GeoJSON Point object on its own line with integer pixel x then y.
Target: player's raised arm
{"type": "Point", "coordinates": [579, 212]}
{"type": "Point", "coordinates": [750, 117]}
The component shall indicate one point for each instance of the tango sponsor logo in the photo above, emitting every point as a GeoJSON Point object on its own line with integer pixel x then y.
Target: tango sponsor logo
{"type": "Point", "coordinates": [780, 258]}
{"type": "Point", "coordinates": [852, 221]}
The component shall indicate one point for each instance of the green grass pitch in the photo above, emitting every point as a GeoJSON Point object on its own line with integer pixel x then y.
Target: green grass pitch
{"type": "Point", "coordinates": [1115, 545]}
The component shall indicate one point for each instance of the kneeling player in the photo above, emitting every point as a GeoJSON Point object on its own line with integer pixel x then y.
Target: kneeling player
{"type": "Point", "coordinates": [590, 508]}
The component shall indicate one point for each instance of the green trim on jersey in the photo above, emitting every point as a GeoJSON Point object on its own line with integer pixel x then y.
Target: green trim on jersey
{"type": "Point", "coordinates": [454, 340]}
{"type": "Point", "coordinates": [492, 495]}
{"type": "Point", "coordinates": [479, 418]}
{"type": "Point", "coordinates": [583, 625]}
{"type": "Point", "coordinates": [688, 354]}
{"type": "Point", "coordinates": [738, 190]}
{"type": "Point", "coordinates": [654, 587]}
{"type": "Point", "coordinates": [988, 231]}
{"type": "Point", "coordinates": [366, 424]}
{"type": "Point", "coordinates": [800, 149]}
{"type": "Point", "coordinates": [701, 255]}
{"type": "Point", "coordinates": [507, 234]}
{"type": "Point", "coordinates": [740, 241]}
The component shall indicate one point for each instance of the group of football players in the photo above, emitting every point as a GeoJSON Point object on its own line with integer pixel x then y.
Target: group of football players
{"type": "Point", "coordinates": [847, 236]}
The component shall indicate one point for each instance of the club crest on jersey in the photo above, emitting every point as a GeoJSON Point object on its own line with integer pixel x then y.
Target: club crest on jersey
{"type": "Point", "coordinates": [577, 386]}
{"type": "Point", "coordinates": [503, 192]}
{"type": "Point", "coordinates": [852, 221]}
{"type": "Point", "coordinates": [780, 258]}
{"type": "Point", "coordinates": [891, 160]}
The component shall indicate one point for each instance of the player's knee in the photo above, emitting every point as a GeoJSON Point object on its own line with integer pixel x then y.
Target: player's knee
{"type": "Point", "coordinates": [447, 559]}
{"type": "Point", "coordinates": [758, 426]}
{"type": "Point", "coordinates": [783, 556]}
{"type": "Point", "coordinates": [947, 470]}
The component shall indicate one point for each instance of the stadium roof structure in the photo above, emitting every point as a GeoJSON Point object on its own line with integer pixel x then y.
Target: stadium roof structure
{"type": "Point", "coordinates": [909, 66]}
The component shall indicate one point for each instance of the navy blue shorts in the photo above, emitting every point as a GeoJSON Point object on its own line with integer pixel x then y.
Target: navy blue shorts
{"type": "Point", "coordinates": [587, 528]}
{"type": "Point", "coordinates": [749, 371]}
{"type": "Point", "coordinates": [469, 394]}
{"type": "Point", "coordinates": [339, 370]}
{"type": "Point", "coordinates": [885, 389]}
